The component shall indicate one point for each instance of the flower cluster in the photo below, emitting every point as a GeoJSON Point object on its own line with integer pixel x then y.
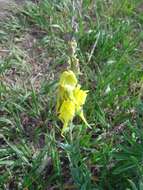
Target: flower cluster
{"type": "Point", "coordinates": [70, 99]}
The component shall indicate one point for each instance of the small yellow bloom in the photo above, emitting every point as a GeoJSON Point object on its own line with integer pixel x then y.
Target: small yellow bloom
{"type": "Point", "coordinates": [61, 96]}
{"type": "Point", "coordinates": [80, 97]}
{"type": "Point", "coordinates": [66, 113]}
{"type": "Point", "coordinates": [68, 80]}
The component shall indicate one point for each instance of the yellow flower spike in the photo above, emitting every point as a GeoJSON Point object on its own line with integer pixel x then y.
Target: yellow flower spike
{"type": "Point", "coordinates": [66, 113]}
{"type": "Point", "coordinates": [70, 99]}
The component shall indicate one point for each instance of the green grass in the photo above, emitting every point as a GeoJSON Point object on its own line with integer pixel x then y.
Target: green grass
{"type": "Point", "coordinates": [34, 51]}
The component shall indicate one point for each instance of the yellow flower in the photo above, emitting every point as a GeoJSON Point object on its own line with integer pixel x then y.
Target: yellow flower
{"type": "Point", "coordinates": [68, 82]}
{"type": "Point", "coordinates": [66, 113]}
{"type": "Point", "coordinates": [79, 97]}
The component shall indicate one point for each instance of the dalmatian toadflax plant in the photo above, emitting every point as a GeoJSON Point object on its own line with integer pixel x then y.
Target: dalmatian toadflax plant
{"type": "Point", "coordinates": [71, 97]}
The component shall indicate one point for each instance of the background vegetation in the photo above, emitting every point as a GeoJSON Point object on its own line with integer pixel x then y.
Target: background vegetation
{"type": "Point", "coordinates": [34, 51]}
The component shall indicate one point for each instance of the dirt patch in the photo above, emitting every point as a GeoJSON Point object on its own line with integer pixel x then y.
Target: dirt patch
{"type": "Point", "coordinates": [5, 7]}
{"type": "Point", "coordinates": [9, 6]}
{"type": "Point", "coordinates": [33, 65]}
{"type": "Point", "coordinates": [33, 59]}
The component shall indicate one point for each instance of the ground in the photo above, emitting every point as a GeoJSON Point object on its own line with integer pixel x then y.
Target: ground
{"type": "Point", "coordinates": [34, 51]}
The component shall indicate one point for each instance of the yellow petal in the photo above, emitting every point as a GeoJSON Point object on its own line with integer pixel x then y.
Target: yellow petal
{"type": "Point", "coordinates": [68, 80]}
{"type": "Point", "coordinates": [66, 113]}
{"type": "Point", "coordinates": [81, 115]}
{"type": "Point", "coordinates": [62, 95]}
{"type": "Point", "coordinates": [67, 83]}
{"type": "Point", "coordinates": [80, 97]}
